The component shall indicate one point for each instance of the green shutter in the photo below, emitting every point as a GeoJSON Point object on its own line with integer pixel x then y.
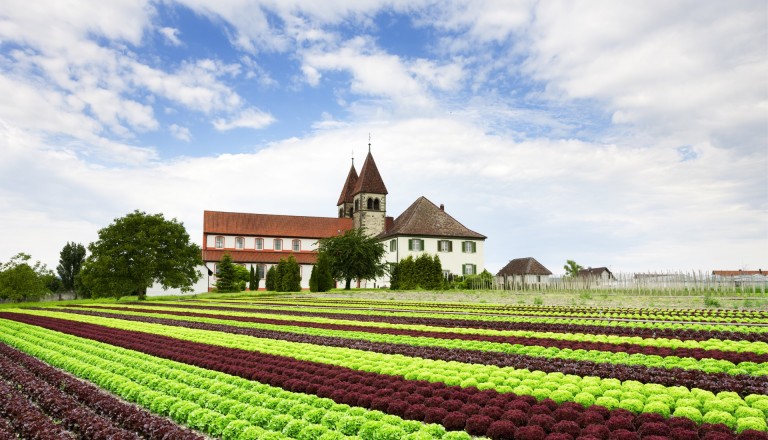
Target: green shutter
{"type": "Point", "coordinates": [450, 246]}
{"type": "Point", "coordinates": [410, 244]}
{"type": "Point", "coordinates": [422, 245]}
{"type": "Point", "coordinates": [474, 269]}
{"type": "Point", "coordinates": [474, 247]}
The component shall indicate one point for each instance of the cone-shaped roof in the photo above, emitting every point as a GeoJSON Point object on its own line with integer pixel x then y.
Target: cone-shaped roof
{"type": "Point", "coordinates": [349, 186]}
{"type": "Point", "coordinates": [425, 219]}
{"type": "Point", "coordinates": [370, 179]}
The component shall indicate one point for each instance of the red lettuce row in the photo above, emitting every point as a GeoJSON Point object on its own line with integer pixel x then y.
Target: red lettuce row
{"type": "Point", "coordinates": [715, 382]}
{"type": "Point", "coordinates": [51, 383]}
{"type": "Point", "coordinates": [682, 334]}
{"type": "Point", "coordinates": [478, 412]}
{"type": "Point", "coordinates": [695, 353]}
{"type": "Point", "coordinates": [26, 419]}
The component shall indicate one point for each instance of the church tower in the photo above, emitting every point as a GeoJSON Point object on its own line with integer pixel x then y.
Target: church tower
{"type": "Point", "coordinates": [346, 202]}
{"type": "Point", "coordinates": [369, 198]}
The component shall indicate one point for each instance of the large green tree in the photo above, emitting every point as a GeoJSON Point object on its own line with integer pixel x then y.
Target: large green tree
{"type": "Point", "coordinates": [572, 268]}
{"type": "Point", "coordinates": [226, 275]}
{"type": "Point", "coordinates": [20, 281]}
{"type": "Point", "coordinates": [321, 279]}
{"type": "Point", "coordinates": [353, 255]}
{"type": "Point", "coordinates": [71, 259]}
{"type": "Point", "coordinates": [138, 250]}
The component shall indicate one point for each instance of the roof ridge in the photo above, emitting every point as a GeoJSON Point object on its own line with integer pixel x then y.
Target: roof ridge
{"type": "Point", "coordinates": [370, 180]}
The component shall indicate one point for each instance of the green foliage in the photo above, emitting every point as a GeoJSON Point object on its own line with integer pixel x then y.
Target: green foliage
{"type": "Point", "coordinates": [290, 278]}
{"type": "Point", "coordinates": [269, 280]}
{"type": "Point", "coordinates": [226, 275]}
{"type": "Point", "coordinates": [252, 279]}
{"type": "Point", "coordinates": [572, 269]}
{"type": "Point", "coordinates": [138, 250]}
{"type": "Point", "coordinates": [241, 277]}
{"type": "Point", "coordinates": [21, 282]}
{"type": "Point", "coordinates": [481, 281]}
{"type": "Point", "coordinates": [710, 301]}
{"type": "Point", "coordinates": [71, 259]}
{"type": "Point", "coordinates": [321, 279]}
{"type": "Point", "coordinates": [353, 255]}
{"type": "Point", "coordinates": [423, 272]}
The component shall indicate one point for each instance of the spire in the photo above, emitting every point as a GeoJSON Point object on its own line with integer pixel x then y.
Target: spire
{"type": "Point", "coordinates": [370, 180]}
{"type": "Point", "coordinates": [349, 185]}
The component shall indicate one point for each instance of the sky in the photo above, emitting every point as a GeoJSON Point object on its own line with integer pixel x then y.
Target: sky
{"type": "Point", "coordinates": [631, 135]}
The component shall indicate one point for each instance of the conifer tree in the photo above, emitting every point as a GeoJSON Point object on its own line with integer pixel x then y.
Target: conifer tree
{"type": "Point", "coordinates": [226, 276]}
{"type": "Point", "coordinates": [269, 281]}
{"type": "Point", "coordinates": [251, 281]}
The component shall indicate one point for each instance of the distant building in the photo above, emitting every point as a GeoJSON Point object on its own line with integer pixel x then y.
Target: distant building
{"type": "Point", "coordinates": [524, 271]}
{"type": "Point", "coordinates": [741, 276]}
{"type": "Point", "coordinates": [596, 274]}
{"type": "Point", "coordinates": [261, 240]}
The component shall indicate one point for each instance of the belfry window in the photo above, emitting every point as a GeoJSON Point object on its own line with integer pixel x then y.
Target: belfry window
{"type": "Point", "coordinates": [370, 203]}
{"type": "Point", "coordinates": [376, 205]}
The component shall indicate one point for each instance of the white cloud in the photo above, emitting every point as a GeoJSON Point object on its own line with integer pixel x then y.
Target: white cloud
{"type": "Point", "coordinates": [249, 118]}
{"type": "Point", "coordinates": [171, 35]}
{"type": "Point", "coordinates": [181, 133]}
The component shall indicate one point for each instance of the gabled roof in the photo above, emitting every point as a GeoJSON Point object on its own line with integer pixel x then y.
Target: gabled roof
{"type": "Point", "coordinates": [259, 256]}
{"type": "Point", "coordinates": [524, 266]}
{"type": "Point", "coordinates": [423, 218]}
{"type": "Point", "coordinates": [735, 273]}
{"type": "Point", "coordinates": [270, 225]}
{"type": "Point", "coordinates": [370, 180]}
{"type": "Point", "coordinates": [349, 187]}
{"type": "Point", "coordinates": [594, 272]}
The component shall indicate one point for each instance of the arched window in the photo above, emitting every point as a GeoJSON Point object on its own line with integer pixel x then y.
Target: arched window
{"type": "Point", "coordinates": [351, 211]}
{"type": "Point", "coordinates": [370, 203]}
{"type": "Point", "coordinates": [376, 205]}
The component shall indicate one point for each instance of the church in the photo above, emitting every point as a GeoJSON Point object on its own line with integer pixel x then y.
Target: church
{"type": "Point", "coordinates": [262, 240]}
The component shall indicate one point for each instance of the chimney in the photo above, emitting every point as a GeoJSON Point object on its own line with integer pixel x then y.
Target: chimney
{"type": "Point", "coordinates": [442, 207]}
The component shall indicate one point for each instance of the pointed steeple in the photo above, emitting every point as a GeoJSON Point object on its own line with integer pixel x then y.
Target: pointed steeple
{"type": "Point", "coordinates": [370, 180]}
{"type": "Point", "coordinates": [349, 186]}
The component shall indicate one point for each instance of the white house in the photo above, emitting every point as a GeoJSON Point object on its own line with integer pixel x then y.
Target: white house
{"type": "Point", "coordinates": [262, 240]}
{"type": "Point", "coordinates": [524, 271]}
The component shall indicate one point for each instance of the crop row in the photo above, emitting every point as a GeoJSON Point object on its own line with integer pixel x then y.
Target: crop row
{"type": "Point", "coordinates": [496, 308]}
{"type": "Point", "coordinates": [217, 403]}
{"type": "Point", "coordinates": [697, 315]}
{"type": "Point", "coordinates": [710, 360]}
{"type": "Point", "coordinates": [478, 412]}
{"type": "Point", "coordinates": [715, 382]}
{"type": "Point", "coordinates": [732, 332]}
{"type": "Point", "coordinates": [79, 408]}
{"type": "Point", "coordinates": [677, 400]}
{"type": "Point", "coordinates": [753, 351]}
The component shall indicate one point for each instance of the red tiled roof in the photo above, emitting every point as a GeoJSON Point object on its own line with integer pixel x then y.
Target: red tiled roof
{"type": "Point", "coordinates": [370, 180]}
{"type": "Point", "coordinates": [271, 225]}
{"type": "Point", "coordinates": [594, 272]}
{"type": "Point", "coordinates": [349, 187]}
{"type": "Point", "coordinates": [259, 256]}
{"type": "Point", "coordinates": [524, 266]}
{"type": "Point", "coordinates": [735, 273]}
{"type": "Point", "coordinates": [425, 219]}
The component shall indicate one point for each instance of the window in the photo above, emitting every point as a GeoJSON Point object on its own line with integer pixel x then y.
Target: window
{"type": "Point", "coordinates": [239, 242]}
{"type": "Point", "coordinates": [216, 269]}
{"type": "Point", "coordinates": [370, 203]}
{"type": "Point", "coordinates": [446, 274]}
{"type": "Point", "coordinates": [357, 205]}
{"type": "Point", "coordinates": [468, 269]}
{"type": "Point", "coordinates": [278, 244]}
{"type": "Point", "coordinates": [219, 242]}
{"type": "Point", "coordinates": [260, 270]}
{"type": "Point", "coordinates": [393, 245]}
{"type": "Point", "coordinates": [341, 212]}
{"type": "Point", "coordinates": [296, 245]}
{"type": "Point", "coordinates": [415, 244]}
{"type": "Point", "coordinates": [376, 205]}
{"type": "Point", "coordinates": [445, 246]}
{"type": "Point", "coordinates": [259, 244]}
{"type": "Point", "coordinates": [469, 247]}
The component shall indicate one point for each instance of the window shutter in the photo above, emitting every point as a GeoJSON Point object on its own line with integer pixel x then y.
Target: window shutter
{"type": "Point", "coordinates": [421, 242]}
{"type": "Point", "coordinates": [474, 269]}
{"type": "Point", "coordinates": [450, 246]}
{"type": "Point", "coordinates": [474, 247]}
{"type": "Point", "coordinates": [410, 244]}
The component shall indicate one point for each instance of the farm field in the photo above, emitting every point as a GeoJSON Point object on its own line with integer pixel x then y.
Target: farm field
{"type": "Point", "coordinates": [340, 367]}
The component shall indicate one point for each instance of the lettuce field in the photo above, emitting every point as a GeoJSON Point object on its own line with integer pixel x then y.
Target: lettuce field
{"type": "Point", "coordinates": [325, 368]}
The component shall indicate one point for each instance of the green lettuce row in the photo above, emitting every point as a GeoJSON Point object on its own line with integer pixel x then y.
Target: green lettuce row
{"type": "Point", "coordinates": [723, 316]}
{"type": "Point", "coordinates": [611, 393]}
{"type": "Point", "coordinates": [708, 365]}
{"type": "Point", "coordinates": [492, 318]}
{"type": "Point", "coordinates": [711, 344]}
{"type": "Point", "coordinates": [215, 403]}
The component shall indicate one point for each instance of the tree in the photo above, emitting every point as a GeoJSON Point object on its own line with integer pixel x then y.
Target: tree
{"type": "Point", "coordinates": [21, 282]}
{"type": "Point", "coordinates": [572, 269]}
{"type": "Point", "coordinates": [241, 278]}
{"type": "Point", "coordinates": [71, 260]}
{"type": "Point", "coordinates": [321, 272]}
{"type": "Point", "coordinates": [138, 250]}
{"type": "Point", "coordinates": [291, 276]}
{"type": "Point", "coordinates": [269, 281]}
{"type": "Point", "coordinates": [226, 275]}
{"type": "Point", "coordinates": [353, 255]}
{"type": "Point", "coordinates": [252, 280]}
{"type": "Point", "coordinates": [424, 272]}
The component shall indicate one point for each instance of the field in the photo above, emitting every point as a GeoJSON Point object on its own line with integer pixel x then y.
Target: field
{"type": "Point", "coordinates": [383, 367]}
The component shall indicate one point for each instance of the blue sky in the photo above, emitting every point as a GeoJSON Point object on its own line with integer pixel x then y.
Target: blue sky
{"type": "Point", "coordinates": [632, 135]}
